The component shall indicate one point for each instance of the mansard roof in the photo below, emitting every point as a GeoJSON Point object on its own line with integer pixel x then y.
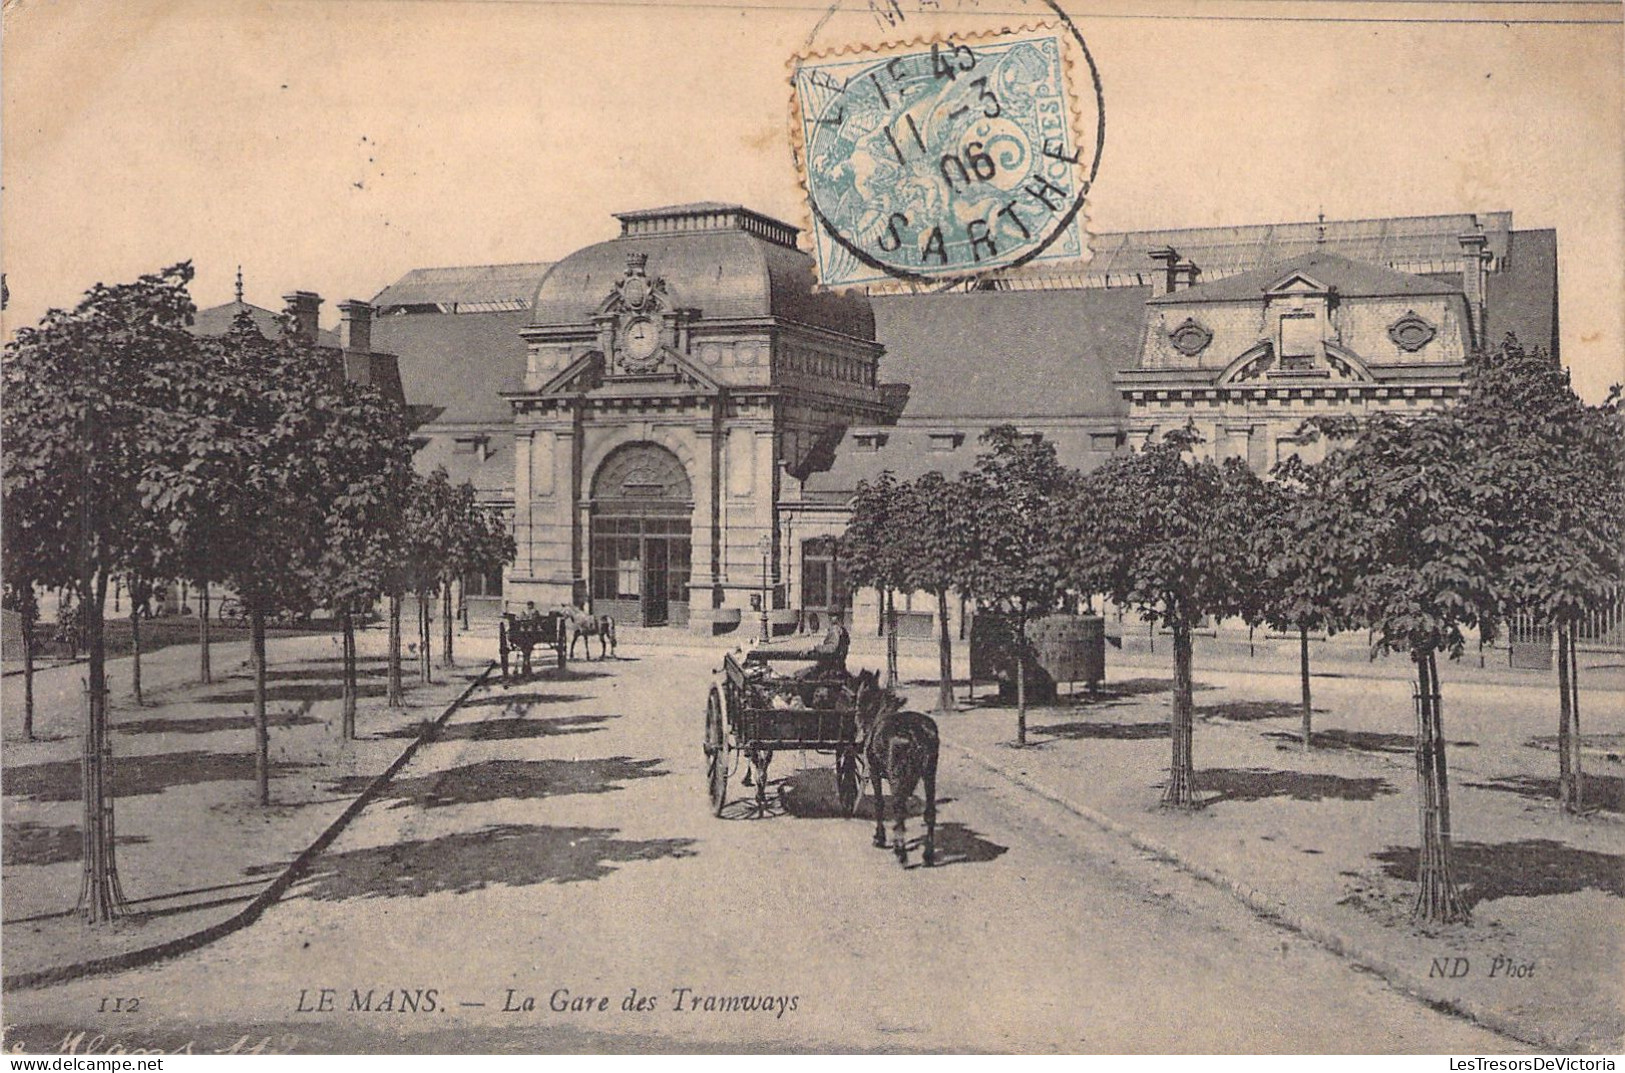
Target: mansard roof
{"type": "Point", "coordinates": [1347, 278]}
{"type": "Point", "coordinates": [723, 260]}
{"type": "Point", "coordinates": [463, 289]}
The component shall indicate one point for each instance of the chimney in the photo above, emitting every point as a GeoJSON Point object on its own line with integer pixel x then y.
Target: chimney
{"type": "Point", "coordinates": [302, 309]}
{"type": "Point", "coordinates": [1162, 277]}
{"type": "Point", "coordinates": [1474, 260]}
{"type": "Point", "coordinates": [355, 327]}
{"type": "Point", "coordinates": [1183, 275]}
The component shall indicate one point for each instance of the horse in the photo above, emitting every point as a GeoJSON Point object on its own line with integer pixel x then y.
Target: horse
{"type": "Point", "coordinates": [900, 747]}
{"type": "Point", "coordinates": [585, 625]}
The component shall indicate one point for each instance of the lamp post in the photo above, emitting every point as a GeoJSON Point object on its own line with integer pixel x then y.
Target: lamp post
{"type": "Point", "coordinates": [765, 546]}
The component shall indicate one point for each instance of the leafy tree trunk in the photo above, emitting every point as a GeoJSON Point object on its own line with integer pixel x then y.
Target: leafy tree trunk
{"type": "Point", "coordinates": [395, 696]}
{"type": "Point", "coordinates": [1437, 899]}
{"type": "Point", "coordinates": [425, 654]}
{"type": "Point", "coordinates": [1021, 692]}
{"type": "Point", "coordinates": [30, 614]}
{"type": "Point", "coordinates": [445, 625]}
{"type": "Point", "coordinates": [1303, 682]}
{"type": "Point", "coordinates": [891, 639]}
{"type": "Point", "coordinates": [1181, 791]}
{"type": "Point", "coordinates": [101, 898]}
{"type": "Point", "coordinates": [135, 641]}
{"type": "Point", "coordinates": [945, 656]}
{"type": "Point", "coordinates": [262, 726]}
{"type": "Point", "coordinates": [1570, 777]}
{"type": "Point", "coordinates": [347, 718]}
{"type": "Point", "coordinates": [205, 672]}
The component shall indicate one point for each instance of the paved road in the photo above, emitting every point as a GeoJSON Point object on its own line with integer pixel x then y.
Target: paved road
{"type": "Point", "coordinates": [556, 843]}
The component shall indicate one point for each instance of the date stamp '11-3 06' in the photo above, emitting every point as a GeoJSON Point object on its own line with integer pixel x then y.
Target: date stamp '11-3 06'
{"type": "Point", "coordinates": [943, 160]}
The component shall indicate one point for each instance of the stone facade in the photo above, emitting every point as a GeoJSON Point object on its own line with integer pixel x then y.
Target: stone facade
{"type": "Point", "coordinates": [661, 414]}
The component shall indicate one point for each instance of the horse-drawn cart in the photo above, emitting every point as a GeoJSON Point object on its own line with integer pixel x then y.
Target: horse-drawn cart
{"type": "Point", "coordinates": [754, 710]}
{"type": "Point", "coordinates": [524, 634]}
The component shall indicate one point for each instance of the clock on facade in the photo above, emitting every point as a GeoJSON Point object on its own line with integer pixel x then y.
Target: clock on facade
{"type": "Point", "coordinates": [640, 339]}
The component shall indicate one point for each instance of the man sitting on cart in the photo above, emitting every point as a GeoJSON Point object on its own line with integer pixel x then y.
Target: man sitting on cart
{"type": "Point", "coordinates": [828, 655]}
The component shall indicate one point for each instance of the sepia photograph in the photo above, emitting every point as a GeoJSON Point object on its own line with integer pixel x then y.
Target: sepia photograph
{"type": "Point", "coordinates": [812, 527]}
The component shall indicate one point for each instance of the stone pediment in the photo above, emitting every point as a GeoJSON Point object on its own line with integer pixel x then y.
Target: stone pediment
{"type": "Point", "coordinates": [1298, 283]}
{"type": "Point", "coordinates": [588, 373]}
{"type": "Point", "coordinates": [1258, 363]}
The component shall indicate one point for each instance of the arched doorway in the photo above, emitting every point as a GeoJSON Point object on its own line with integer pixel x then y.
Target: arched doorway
{"type": "Point", "coordinates": [641, 529]}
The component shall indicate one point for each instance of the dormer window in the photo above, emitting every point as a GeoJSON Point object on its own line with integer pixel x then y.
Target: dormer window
{"type": "Point", "coordinates": [472, 445]}
{"type": "Point", "coordinates": [869, 441]}
{"type": "Point", "coordinates": [1300, 341]}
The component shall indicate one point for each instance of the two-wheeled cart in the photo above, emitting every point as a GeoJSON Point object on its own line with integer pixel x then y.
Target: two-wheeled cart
{"type": "Point", "coordinates": [756, 708]}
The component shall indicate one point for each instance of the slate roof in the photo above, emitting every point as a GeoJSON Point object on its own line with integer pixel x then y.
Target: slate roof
{"type": "Point", "coordinates": [1523, 298]}
{"type": "Point", "coordinates": [1011, 354]}
{"type": "Point", "coordinates": [457, 361]}
{"type": "Point", "coordinates": [724, 272]}
{"type": "Point", "coordinates": [492, 476]}
{"type": "Point", "coordinates": [463, 289]}
{"type": "Point", "coordinates": [1350, 279]}
{"type": "Point", "coordinates": [1422, 244]}
{"type": "Point", "coordinates": [217, 320]}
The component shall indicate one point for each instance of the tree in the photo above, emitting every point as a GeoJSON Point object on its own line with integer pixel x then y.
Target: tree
{"type": "Point", "coordinates": [1414, 509]}
{"type": "Point", "coordinates": [481, 544]}
{"type": "Point", "coordinates": [1010, 497]}
{"type": "Point", "coordinates": [269, 483]}
{"type": "Point", "coordinates": [362, 478]}
{"type": "Point", "coordinates": [939, 546]}
{"type": "Point", "coordinates": [1562, 557]}
{"type": "Point", "coordinates": [1290, 585]}
{"type": "Point", "coordinates": [873, 547]}
{"type": "Point", "coordinates": [1165, 533]}
{"type": "Point", "coordinates": [81, 394]}
{"type": "Point", "coordinates": [31, 556]}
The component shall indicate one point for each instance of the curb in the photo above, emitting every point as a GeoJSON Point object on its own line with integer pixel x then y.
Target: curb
{"type": "Point", "coordinates": [262, 901]}
{"type": "Point", "coordinates": [1274, 910]}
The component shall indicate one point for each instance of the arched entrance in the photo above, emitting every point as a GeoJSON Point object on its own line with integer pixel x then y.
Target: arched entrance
{"type": "Point", "coordinates": [641, 528]}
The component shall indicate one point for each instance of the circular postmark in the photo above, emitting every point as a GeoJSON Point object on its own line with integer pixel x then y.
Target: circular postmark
{"type": "Point", "coordinates": [937, 144]}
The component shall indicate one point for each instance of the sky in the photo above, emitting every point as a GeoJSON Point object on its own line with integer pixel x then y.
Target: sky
{"type": "Point", "coordinates": [332, 145]}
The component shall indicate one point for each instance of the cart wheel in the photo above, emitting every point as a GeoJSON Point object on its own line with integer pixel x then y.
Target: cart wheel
{"type": "Point", "coordinates": [716, 750]}
{"type": "Point", "coordinates": [846, 781]}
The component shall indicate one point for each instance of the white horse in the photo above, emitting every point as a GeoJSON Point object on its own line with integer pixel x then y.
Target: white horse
{"type": "Point", "coordinates": [585, 625]}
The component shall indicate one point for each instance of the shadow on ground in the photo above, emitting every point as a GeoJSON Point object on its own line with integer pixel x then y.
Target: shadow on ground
{"type": "Point", "coordinates": [1604, 792]}
{"type": "Point", "coordinates": [1248, 711]}
{"type": "Point", "coordinates": [133, 776]}
{"type": "Point", "coordinates": [1116, 731]}
{"type": "Point", "coordinates": [510, 729]}
{"type": "Point", "coordinates": [497, 780]}
{"type": "Point", "coordinates": [512, 855]}
{"type": "Point", "coordinates": [213, 724]}
{"type": "Point", "coordinates": [957, 844]}
{"type": "Point", "coordinates": [334, 674]}
{"type": "Point", "coordinates": [1531, 868]}
{"type": "Point", "coordinates": [1256, 784]}
{"type": "Point", "coordinates": [1363, 741]}
{"type": "Point", "coordinates": [521, 702]}
{"type": "Point", "coordinates": [306, 692]}
{"type": "Point", "coordinates": [36, 843]}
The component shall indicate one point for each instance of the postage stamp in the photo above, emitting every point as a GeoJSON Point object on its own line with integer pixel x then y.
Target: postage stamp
{"type": "Point", "coordinates": [943, 159]}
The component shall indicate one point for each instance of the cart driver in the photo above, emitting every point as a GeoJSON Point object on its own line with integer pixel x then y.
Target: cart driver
{"type": "Point", "coordinates": [829, 655]}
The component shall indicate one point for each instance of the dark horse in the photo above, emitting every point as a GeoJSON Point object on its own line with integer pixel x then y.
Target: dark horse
{"type": "Point", "coordinates": [585, 626]}
{"type": "Point", "coordinates": [901, 748]}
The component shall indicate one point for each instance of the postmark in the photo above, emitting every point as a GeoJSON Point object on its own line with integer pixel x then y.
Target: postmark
{"type": "Point", "coordinates": [946, 158]}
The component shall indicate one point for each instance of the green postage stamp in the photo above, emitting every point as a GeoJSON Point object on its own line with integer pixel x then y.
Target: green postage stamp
{"type": "Point", "coordinates": [942, 160]}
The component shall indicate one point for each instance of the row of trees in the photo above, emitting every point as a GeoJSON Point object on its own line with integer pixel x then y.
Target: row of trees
{"type": "Point", "coordinates": [135, 450]}
{"type": "Point", "coordinates": [1417, 529]}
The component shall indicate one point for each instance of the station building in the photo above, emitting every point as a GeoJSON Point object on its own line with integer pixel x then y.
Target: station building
{"type": "Point", "coordinates": [677, 417]}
